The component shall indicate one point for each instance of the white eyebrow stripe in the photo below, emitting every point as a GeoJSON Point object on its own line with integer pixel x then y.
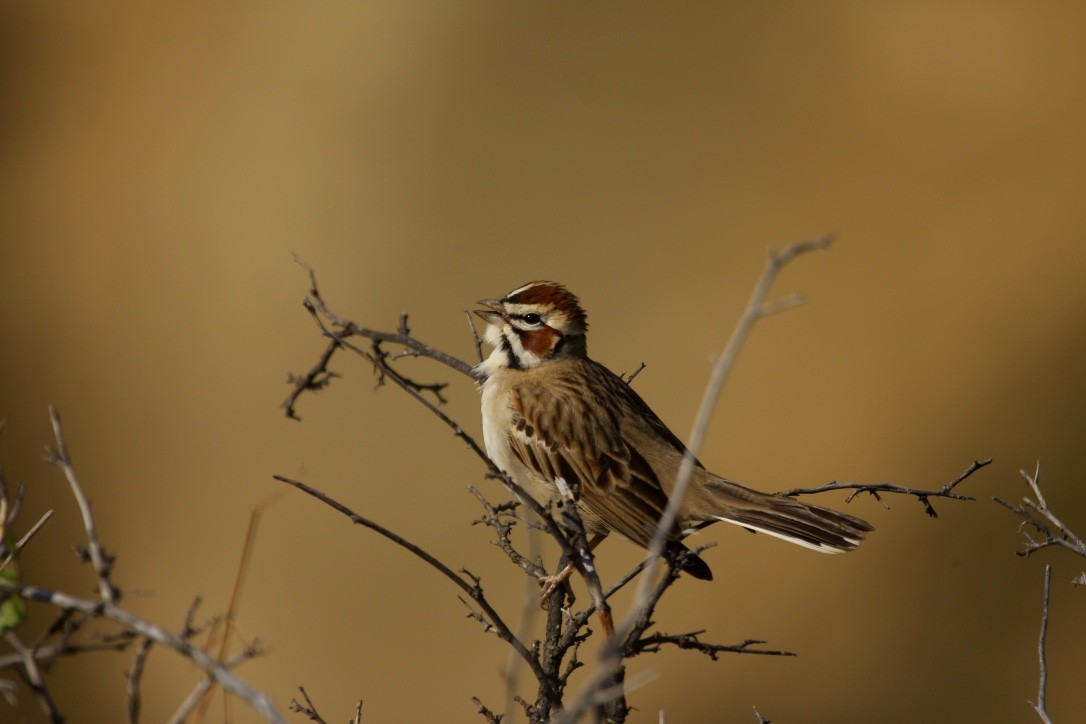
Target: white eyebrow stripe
{"type": "Point", "coordinates": [522, 309]}
{"type": "Point", "coordinates": [518, 290]}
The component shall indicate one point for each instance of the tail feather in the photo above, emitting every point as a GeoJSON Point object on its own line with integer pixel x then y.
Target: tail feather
{"type": "Point", "coordinates": [692, 562]}
{"type": "Point", "coordinates": [811, 526]}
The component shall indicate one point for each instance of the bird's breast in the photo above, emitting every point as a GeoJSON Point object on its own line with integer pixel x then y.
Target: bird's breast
{"type": "Point", "coordinates": [498, 421]}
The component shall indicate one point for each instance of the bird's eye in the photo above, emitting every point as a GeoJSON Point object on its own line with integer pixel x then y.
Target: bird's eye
{"type": "Point", "coordinates": [532, 318]}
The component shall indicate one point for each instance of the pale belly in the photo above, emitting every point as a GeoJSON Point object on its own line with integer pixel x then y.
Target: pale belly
{"type": "Point", "coordinates": [497, 418]}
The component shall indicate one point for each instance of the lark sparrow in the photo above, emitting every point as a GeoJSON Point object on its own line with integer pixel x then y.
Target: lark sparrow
{"type": "Point", "coordinates": [553, 417]}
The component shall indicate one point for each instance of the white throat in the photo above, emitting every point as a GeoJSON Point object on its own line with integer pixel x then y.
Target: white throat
{"type": "Point", "coordinates": [505, 342]}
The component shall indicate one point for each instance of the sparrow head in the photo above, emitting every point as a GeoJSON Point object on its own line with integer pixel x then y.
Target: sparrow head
{"type": "Point", "coordinates": [533, 323]}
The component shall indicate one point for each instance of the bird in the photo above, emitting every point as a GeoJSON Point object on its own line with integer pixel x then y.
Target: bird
{"type": "Point", "coordinates": [561, 425]}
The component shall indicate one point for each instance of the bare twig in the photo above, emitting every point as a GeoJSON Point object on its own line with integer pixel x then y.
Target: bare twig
{"type": "Point", "coordinates": [572, 521]}
{"type": "Point", "coordinates": [223, 626]}
{"type": "Point", "coordinates": [1040, 706]}
{"type": "Point", "coordinates": [76, 612]}
{"type": "Point", "coordinates": [26, 538]}
{"type": "Point", "coordinates": [756, 309]}
{"type": "Point", "coordinates": [189, 628]}
{"type": "Point", "coordinates": [195, 699]}
{"type": "Point", "coordinates": [475, 338]}
{"type": "Point", "coordinates": [315, 380]}
{"type": "Point", "coordinates": [471, 588]}
{"type": "Point", "coordinates": [59, 456]}
{"type": "Point", "coordinates": [33, 677]}
{"type": "Point", "coordinates": [629, 378]}
{"type": "Point", "coordinates": [309, 709]}
{"type": "Point", "coordinates": [132, 680]}
{"type": "Point", "coordinates": [493, 517]}
{"type": "Point", "coordinates": [197, 696]}
{"type": "Point", "coordinates": [191, 702]}
{"type": "Point", "coordinates": [337, 331]}
{"type": "Point", "coordinates": [350, 329]}
{"type": "Point", "coordinates": [502, 518]}
{"type": "Point", "coordinates": [690, 641]}
{"type": "Point", "coordinates": [874, 489]}
{"type": "Point", "coordinates": [66, 647]}
{"type": "Point", "coordinates": [221, 674]}
{"type": "Point", "coordinates": [11, 507]}
{"type": "Point", "coordinates": [1036, 514]}
{"type": "Point", "coordinates": [486, 713]}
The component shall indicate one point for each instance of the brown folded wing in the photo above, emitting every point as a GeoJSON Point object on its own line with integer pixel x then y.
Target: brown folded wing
{"type": "Point", "coordinates": [556, 436]}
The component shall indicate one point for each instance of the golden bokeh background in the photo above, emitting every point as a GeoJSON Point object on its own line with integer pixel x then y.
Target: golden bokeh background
{"type": "Point", "coordinates": [162, 162]}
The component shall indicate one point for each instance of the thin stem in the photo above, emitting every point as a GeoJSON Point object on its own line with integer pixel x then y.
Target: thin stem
{"type": "Point", "coordinates": [472, 588]}
{"type": "Point", "coordinates": [756, 309]}
{"type": "Point", "coordinates": [259, 701]}
{"type": "Point", "coordinates": [1040, 706]}
{"type": "Point", "coordinates": [647, 592]}
{"type": "Point", "coordinates": [60, 457]}
{"type": "Point", "coordinates": [923, 495]}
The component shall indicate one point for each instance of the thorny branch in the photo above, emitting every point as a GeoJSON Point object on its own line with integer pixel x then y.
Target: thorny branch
{"type": "Point", "coordinates": [1036, 514]}
{"type": "Point", "coordinates": [554, 658]}
{"type": "Point", "coordinates": [874, 489]}
{"type": "Point", "coordinates": [469, 584]}
{"type": "Point", "coordinates": [75, 613]}
{"type": "Point", "coordinates": [757, 308]}
{"type": "Point", "coordinates": [310, 711]}
{"type": "Point", "coordinates": [655, 642]}
{"type": "Point", "coordinates": [102, 563]}
{"type": "Point", "coordinates": [339, 330]}
{"type": "Point", "coordinates": [1041, 705]}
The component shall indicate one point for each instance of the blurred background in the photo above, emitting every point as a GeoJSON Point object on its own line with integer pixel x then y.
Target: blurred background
{"type": "Point", "coordinates": [161, 164]}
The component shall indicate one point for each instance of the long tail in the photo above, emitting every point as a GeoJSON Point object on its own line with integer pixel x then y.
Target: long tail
{"type": "Point", "coordinates": [811, 526]}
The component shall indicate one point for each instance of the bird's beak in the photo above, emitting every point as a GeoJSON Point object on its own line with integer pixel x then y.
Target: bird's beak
{"type": "Point", "coordinates": [493, 312]}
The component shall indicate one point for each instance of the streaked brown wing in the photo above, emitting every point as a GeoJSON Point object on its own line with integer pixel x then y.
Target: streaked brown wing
{"type": "Point", "coordinates": [557, 435]}
{"type": "Point", "coordinates": [628, 498]}
{"type": "Point", "coordinates": [635, 406]}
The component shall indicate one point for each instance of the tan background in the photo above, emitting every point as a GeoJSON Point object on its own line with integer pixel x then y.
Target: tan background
{"type": "Point", "coordinates": [160, 165]}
